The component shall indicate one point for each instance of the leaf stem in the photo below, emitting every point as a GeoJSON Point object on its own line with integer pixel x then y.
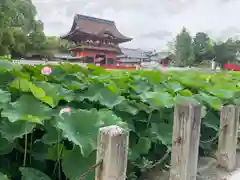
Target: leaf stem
{"type": "Point", "coordinates": [31, 148]}
{"type": "Point", "coordinates": [159, 162]}
{"type": "Point", "coordinates": [25, 149]}
{"type": "Point", "coordinates": [149, 119]}
{"type": "Point", "coordinates": [59, 154]}
{"type": "Point", "coordinates": [55, 166]}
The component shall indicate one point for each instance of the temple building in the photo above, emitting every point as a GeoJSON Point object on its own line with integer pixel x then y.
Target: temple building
{"type": "Point", "coordinates": [97, 40]}
{"type": "Point", "coordinates": [132, 56]}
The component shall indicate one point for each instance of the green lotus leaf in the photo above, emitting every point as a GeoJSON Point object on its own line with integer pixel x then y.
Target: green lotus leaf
{"type": "Point", "coordinates": [81, 127]}
{"type": "Point", "coordinates": [27, 108]}
{"type": "Point", "coordinates": [52, 134]}
{"type": "Point", "coordinates": [5, 97]}
{"type": "Point", "coordinates": [55, 92]}
{"type": "Point", "coordinates": [142, 147]}
{"type": "Point", "coordinates": [32, 174]}
{"type": "Point", "coordinates": [13, 130]}
{"type": "Point", "coordinates": [6, 146]}
{"type": "Point", "coordinates": [162, 132]}
{"type": "Point", "coordinates": [3, 176]}
{"type": "Point", "coordinates": [157, 99]}
{"type": "Point", "coordinates": [74, 164]}
{"type": "Point", "coordinates": [99, 93]}
{"type": "Point", "coordinates": [6, 65]}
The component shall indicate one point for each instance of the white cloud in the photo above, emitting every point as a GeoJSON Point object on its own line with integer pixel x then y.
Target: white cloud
{"type": "Point", "coordinates": [142, 19]}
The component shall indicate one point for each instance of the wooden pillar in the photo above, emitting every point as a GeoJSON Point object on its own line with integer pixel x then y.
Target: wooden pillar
{"type": "Point", "coordinates": [228, 135]}
{"type": "Point", "coordinates": [106, 60]}
{"type": "Point", "coordinates": [113, 152]}
{"type": "Point", "coordinates": [185, 142]}
{"type": "Point", "coordinates": [94, 58]}
{"type": "Point", "coordinates": [115, 60]}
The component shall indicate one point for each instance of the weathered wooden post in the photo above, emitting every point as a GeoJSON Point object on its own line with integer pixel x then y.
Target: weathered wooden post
{"type": "Point", "coordinates": [228, 133]}
{"type": "Point", "coordinates": [185, 142]}
{"type": "Point", "coordinates": [113, 152]}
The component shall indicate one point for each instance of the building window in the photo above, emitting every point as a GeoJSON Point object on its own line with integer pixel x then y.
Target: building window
{"type": "Point", "coordinates": [110, 61]}
{"type": "Point", "coordinates": [89, 60]}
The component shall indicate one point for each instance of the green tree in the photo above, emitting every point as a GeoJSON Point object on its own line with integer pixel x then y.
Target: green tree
{"type": "Point", "coordinates": [183, 49]}
{"type": "Point", "coordinates": [55, 44]}
{"type": "Point", "coordinates": [36, 38]}
{"type": "Point", "coordinates": [202, 46]}
{"type": "Point", "coordinates": [65, 46]}
{"type": "Point", "coordinates": [19, 31]}
{"type": "Point", "coordinates": [225, 52]}
{"type": "Point", "coordinates": [18, 48]}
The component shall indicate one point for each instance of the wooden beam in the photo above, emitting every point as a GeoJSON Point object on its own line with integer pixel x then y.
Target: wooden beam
{"type": "Point", "coordinates": [228, 135]}
{"type": "Point", "coordinates": [113, 152]}
{"type": "Point", "coordinates": [185, 142]}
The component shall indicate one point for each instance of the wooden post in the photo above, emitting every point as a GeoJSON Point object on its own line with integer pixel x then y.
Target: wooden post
{"type": "Point", "coordinates": [113, 151]}
{"type": "Point", "coordinates": [228, 133]}
{"type": "Point", "coordinates": [185, 142]}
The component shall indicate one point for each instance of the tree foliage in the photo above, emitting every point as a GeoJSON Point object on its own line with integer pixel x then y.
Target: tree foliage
{"type": "Point", "coordinates": [194, 50]}
{"type": "Point", "coordinates": [21, 34]}
{"type": "Point", "coordinates": [202, 47]}
{"type": "Point", "coordinates": [184, 48]}
{"type": "Point", "coordinates": [17, 20]}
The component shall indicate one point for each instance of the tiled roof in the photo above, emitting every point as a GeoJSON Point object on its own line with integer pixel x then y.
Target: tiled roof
{"type": "Point", "coordinates": [95, 26]}
{"type": "Point", "coordinates": [133, 53]}
{"type": "Point", "coordinates": [160, 56]}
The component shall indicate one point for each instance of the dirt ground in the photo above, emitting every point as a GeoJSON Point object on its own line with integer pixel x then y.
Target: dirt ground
{"type": "Point", "coordinates": [207, 170]}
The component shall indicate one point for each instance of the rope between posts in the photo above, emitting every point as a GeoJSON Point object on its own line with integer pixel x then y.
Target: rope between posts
{"type": "Point", "coordinates": [93, 167]}
{"type": "Point", "coordinates": [216, 136]}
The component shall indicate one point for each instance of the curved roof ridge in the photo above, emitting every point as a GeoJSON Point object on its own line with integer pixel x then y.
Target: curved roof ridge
{"type": "Point", "coordinates": [95, 26]}
{"type": "Point", "coordinates": [80, 16]}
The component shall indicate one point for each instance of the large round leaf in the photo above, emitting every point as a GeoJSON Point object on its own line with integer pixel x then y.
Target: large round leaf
{"type": "Point", "coordinates": [74, 164]}
{"type": "Point", "coordinates": [162, 132]}
{"type": "Point", "coordinates": [21, 84]}
{"type": "Point", "coordinates": [212, 101]}
{"type": "Point", "coordinates": [5, 79]}
{"type": "Point", "coordinates": [6, 65]}
{"type": "Point", "coordinates": [6, 146]}
{"type": "Point", "coordinates": [52, 134]}
{"type": "Point", "coordinates": [142, 147]}
{"type": "Point", "coordinates": [157, 99]}
{"type": "Point", "coordinates": [97, 92]}
{"type": "Point", "coordinates": [5, 98]}
{"type": "Point", "coordinates": [127, 106]}
{"type": "Point", "coordinates": [12, 131]}
{"type": "Point", "coordinates": [27, 108]}
{"type": "Point", "coordinates": [32, 174]}
{"type": "Point", "coordinates": [53, 93]}
{"type": "Point", "coordinates": [82, 126]}
{"type": "Point", "coordinates": [3, 176]}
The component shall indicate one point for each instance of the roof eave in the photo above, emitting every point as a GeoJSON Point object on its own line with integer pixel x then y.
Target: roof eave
{"type": "Point", "coordinates": [126, 39]}
{"type": "Point", "coordinates": [73, 28]}
{"type": "Point", "coordinates": [120, 40]}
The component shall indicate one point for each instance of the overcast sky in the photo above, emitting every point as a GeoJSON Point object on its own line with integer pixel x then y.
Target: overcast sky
{"type": "Point", "coordinates": [152, 23]}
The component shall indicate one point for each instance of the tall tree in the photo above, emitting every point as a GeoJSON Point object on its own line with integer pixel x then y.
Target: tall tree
{"type": "Point", "coordinates": [202, 47]}
{"type": "Point", "coordinates": [18, 27]}
{"type": "Point", "coordinates": [18, 48]}
{"type": "Point", "coordinates": [65, 46]}
{"type": "Point", "coordinates": [36, 38]}
{"type": "Point", "coordinates": [225, 52]}
{"type": "Point", "coordinates": [184, 49]}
